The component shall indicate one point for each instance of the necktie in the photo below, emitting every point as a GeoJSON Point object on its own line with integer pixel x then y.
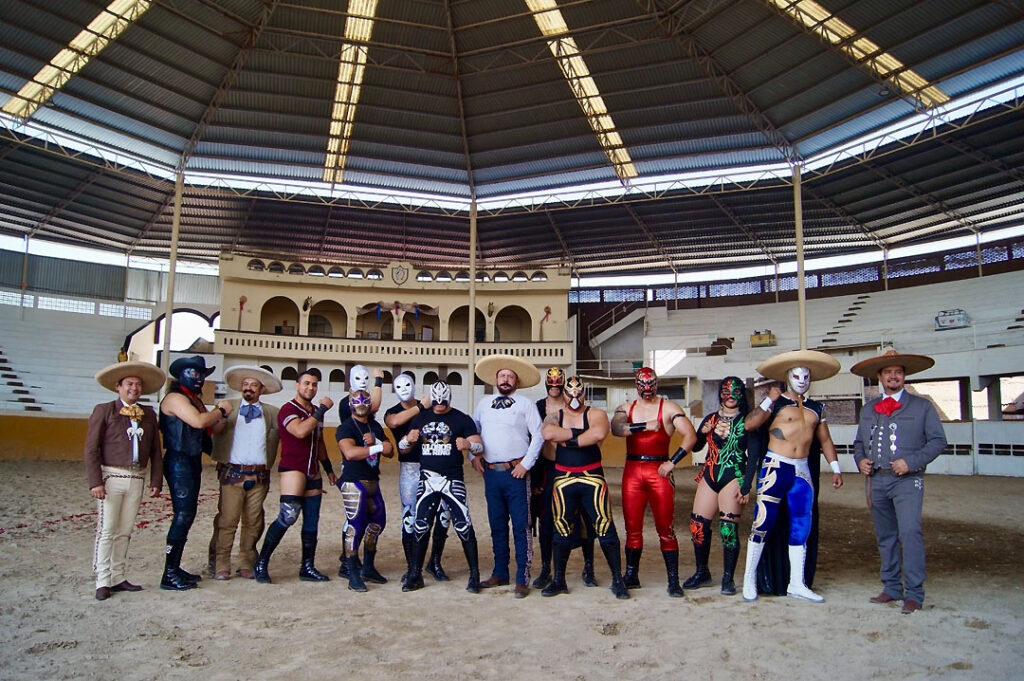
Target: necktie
{"type": "Point", "coordinates": [250, 412]}
{"type": "Point", "coordinates": [887, 406]}
{"type": "Point", "coordinates": [134, 414]}
{"type": "Point", "coordinates": [502, 402]}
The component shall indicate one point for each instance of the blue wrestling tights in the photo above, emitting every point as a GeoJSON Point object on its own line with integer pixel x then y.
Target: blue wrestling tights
{"type": "Point", "coordinates": [789, 479]}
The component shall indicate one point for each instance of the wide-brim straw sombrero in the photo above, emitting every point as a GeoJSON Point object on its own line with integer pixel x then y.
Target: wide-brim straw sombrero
{"type": "Point", "coordinates": [236, 374]}
{"type": "Point", "coordinates": [153, 377]}
{"type": "Point", "coordinates": [488, 368]}
{"type": "Point", "coordinates": [821, 365]}
{"type": "Point", "coordinates": [911, 364]}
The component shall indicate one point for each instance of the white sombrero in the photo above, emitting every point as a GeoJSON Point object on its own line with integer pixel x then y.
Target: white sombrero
{"type": "Point", "coordinates": [488, 368]}
{"type": "Point", "coordinates": [821, 365]}
{"type": "Point", "coordinates": [153, 377]}
{"type": "Point", "coordinates": [235, 375]}
{"type": "Point", "coordinates": [911, 364]}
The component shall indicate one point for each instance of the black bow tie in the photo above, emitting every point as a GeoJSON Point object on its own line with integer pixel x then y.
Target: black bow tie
{"type": "Point", "coordinates": [502, 402]}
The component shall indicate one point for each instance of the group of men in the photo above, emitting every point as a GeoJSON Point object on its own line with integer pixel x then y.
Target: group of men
{"type": "Point", "coordinates": [508, 437]}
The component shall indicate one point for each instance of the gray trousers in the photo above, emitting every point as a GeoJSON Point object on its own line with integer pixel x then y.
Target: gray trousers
{"type": "Point", "coordinates": [896, 511]}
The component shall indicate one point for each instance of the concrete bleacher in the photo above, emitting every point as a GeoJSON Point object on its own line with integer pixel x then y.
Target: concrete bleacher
{"type": "Point", "coordinates": [54, 355]}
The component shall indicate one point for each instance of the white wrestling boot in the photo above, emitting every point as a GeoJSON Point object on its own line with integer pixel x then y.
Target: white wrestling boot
{"type": "Point", "coordinates": [797, 588]}
{"type": "Point", "coordinates": [754, 550]}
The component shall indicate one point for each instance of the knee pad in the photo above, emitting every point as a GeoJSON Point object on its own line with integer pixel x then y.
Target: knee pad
{"type": "Point", "coordinates": [700, 529]}
{"type": "Point", "coordinates": [730, 535]}
{"type": "Point", "coordinates": [464, 530]}
{"type": "Point", "coordinates": [290, 507]}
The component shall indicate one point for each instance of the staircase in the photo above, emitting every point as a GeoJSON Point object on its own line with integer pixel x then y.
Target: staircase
{"type": "Point", "coordinates": [15, 394]}
{"type": "Point", "coordinates": [855, 308]}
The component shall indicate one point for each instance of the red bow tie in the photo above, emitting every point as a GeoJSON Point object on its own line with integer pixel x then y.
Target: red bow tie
{"type": "Point", "coordinates": [887, 406]}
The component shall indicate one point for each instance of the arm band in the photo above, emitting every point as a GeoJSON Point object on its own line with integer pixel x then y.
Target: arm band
{"type": "Point", "coordinates": [319, 412]}
{"type": "Point", "coordinates": [378, 382]}
{"type": "Point", "coordinates": [404, 444]}
{"type": "Point", "coordinates": [419, 405]}
{"type": "Point", "coordinates": [376, 449]}
{"type": "Point", "coordinates": [326, 463]}
{"type": "Point", "coordinates": [678, 456]}
{"type": "Point", "coordinates": [576, 432]}
{"type": "Point", "coordinates": [637, 427]}
{"type": "Point", "coordinates": [476, 447]}
{"type": "Point", "coordinates": [572, 443]}
{"type": "Point", "coordinates": [835, 467]}
{"type": "Point", "coordinates": [766, 405]}
{"type": "Point", "coordinates": [223, 412]}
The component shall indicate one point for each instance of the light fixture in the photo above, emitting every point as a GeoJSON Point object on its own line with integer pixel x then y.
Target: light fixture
{"type": "Point", "coordinates": [836, 31]}
{"type": "Point", "coordinates": [108, 24]}
{"type": "Point", "coordinates": [351, 65]}
{"type": "Point", "coordinates": [584, 89]}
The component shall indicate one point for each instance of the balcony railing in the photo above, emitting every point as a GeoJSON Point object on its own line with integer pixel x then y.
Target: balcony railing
{"type": "Point", "coordinates": [342, 350]}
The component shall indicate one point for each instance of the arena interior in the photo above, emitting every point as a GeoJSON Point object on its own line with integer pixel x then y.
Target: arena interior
{"type": "Point", "coordinates": [597, 185]}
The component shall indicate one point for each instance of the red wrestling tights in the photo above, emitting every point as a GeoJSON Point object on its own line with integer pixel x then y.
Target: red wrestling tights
{"type": "Point", "coordinates": [641, 485]}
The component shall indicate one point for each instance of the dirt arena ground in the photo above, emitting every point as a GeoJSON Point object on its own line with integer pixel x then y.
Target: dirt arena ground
{"type": "Point", "coordinates": [53, 628]}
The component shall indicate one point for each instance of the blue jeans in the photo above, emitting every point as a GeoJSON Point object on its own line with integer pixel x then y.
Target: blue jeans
{"type": "Point", "coordinates": [508, 498]}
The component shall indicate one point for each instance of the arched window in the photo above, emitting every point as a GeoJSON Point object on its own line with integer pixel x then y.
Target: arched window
{"type": "Point", "coordinates": [320, 326]}
{"type": "Point", "coordinates": [316, 271]}
{"type": "Point", "coordinates": [520, 276]}
{"type": "Point", "coordinates": [336, 272]}
{"type": "Point", "coordinates": [355, 273]}
{"type": "Point", "coordinates": [462, 275]}
{"type": "Point", "coordinates": [256, 265]}
{"type": "Point", "coordinates": [454, 378]}
{"type": "Point", "coordinates": [337, 376]}
{"type": "Point", "coordinates": [275, 267]}
{"type": "Point", "coordinates": [424, 276]}
{"type": "Point", "coordinates": [296, 268]}
{"type": "Point", "coordinates": [374, 274]}
{"type": "Point", "coordinates": [289, 374]}
{"type": "Point", "coordinates": [443, 275]}
{"type": "Point", "coordinates": [430, 378]}
{"type": "Point", "coordinates": [538, 276]}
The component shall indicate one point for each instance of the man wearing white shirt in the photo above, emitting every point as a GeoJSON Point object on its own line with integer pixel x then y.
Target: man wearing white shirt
{"type": "Point", "coordinates": [245, 448]}
{"type": "Point", "coordinates": [510, 428]}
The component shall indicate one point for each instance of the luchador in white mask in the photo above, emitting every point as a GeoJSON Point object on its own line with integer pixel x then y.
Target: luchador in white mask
{"type": "Point", "coordinates": [799, 380]}
{"type": "Point", "coordinates": [358, 378]}
{"type": "Point", "coordinates": [405, 387]}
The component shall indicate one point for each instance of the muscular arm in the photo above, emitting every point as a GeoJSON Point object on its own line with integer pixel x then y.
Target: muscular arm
{"type": "Point", "coordinates": [598, 430]}
{"type": "Point", "coordinates": [828, 448]}
{"type": "Point", "coordinates": [680, 423]}
{"type": "Point", "coordinates": [758, 416]}
{"type": "Point", "coordinates": [401, 418]}
{"type": "Point", "coordinates": [178, 405]}
{"type": "Point", "coordinates": [376, 392]}
{"type": "Point", "coordinates": [620, 422]}
{"type": "Point", "coordinates": [553, 432]}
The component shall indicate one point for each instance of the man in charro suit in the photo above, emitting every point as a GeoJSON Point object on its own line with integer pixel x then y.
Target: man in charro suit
{"type": "Point", "coordinates": [898, 435]}
{"type": "Point", "coordinates": [122, 439]}
{"type": "Point", "coordinates": [245, 448]}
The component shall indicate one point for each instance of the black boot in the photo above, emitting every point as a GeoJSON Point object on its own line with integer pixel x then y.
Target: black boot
{"type": "Point", "coordinates": [260, 568]}
{"type": "Point", "coordinates": [409, 549]}
{"type": "Point", "coordinates": [343, 570]}
{"type": "Point", "coordinates": [560, 558]}
{"type": "Point", "coordinates": [672, 569]}
{"type": "Point", "coordinates": [473, 561]}
{"type": "Point", "coordinates": [172, 579]}
{"type": "Point", "coordinates": [308, 571]}
{"type": "Point", "coordinates": [632, 576]}
{"type": "Point", "coordinates": [588, 563]}
{"type": "Point", "coordinates": [701, 551]}
{"type": "Point", "coordinates": [415, 579]}
{"type": "Point", "coordinates": [369, 571]}
{"type": "Point", "coordinates": [611, 554]}
{"type": "Point", "coordinates": [434, 564]}
{"type": "Point", "coordinates": [355, 575]}
{"type": "Point", "coordinates": [184, 574]}
{"type": "Point", "coordinates": [730, 556]}
{"type": "Point", "coordinates": [544, 577]}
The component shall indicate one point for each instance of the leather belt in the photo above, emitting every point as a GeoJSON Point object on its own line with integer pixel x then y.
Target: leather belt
{"type": "Point", "coordinates": [503, 465]}
{"type": "Point", "coordinates": [645, 457]}
{"type": "Point", "coordinates": [239, 468]}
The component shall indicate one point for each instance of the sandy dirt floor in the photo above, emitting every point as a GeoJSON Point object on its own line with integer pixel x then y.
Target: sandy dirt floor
{"type": "Point", "coordinates": [53, 628]}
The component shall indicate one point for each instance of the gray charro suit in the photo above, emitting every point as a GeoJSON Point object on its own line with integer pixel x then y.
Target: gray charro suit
{"type": "Point", "coordinates": [235, 502]}
{"type": "Point", "coordinates": [913, 433]}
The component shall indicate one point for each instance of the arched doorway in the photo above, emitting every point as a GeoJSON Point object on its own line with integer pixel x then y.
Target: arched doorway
{"type": "Point", "coordinates": [458, 325]}
{"type": "Point", "coordinates": [280, 316]}
{"type": "Point", "coordinates": [328, 319]}
{"type": "Point", "coordinates": [513, 325]}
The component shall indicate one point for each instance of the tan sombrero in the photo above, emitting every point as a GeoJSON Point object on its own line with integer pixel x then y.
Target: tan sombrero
{"type": "Point", "coordinates": [235, 375]}
{"type": "Point", "coordinates": [911, 364]}
{"type": "Point", "coordinates": [488, 368]}
{"type": "Point", "coordinates": [153, 377]}
{"type": "Point", "coordinates": [822, 366]}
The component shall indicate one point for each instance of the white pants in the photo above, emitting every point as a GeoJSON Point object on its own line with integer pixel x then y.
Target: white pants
{"type": "Point", "coordinates": [115, 521]}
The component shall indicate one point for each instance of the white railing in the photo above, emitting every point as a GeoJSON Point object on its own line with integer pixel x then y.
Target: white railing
{"type": "Point", "coordinates": [384, 351]}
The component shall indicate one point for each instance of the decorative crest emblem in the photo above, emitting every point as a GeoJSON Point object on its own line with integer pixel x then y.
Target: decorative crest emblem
{"type": "Point", "coordinates": [399, 274]}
